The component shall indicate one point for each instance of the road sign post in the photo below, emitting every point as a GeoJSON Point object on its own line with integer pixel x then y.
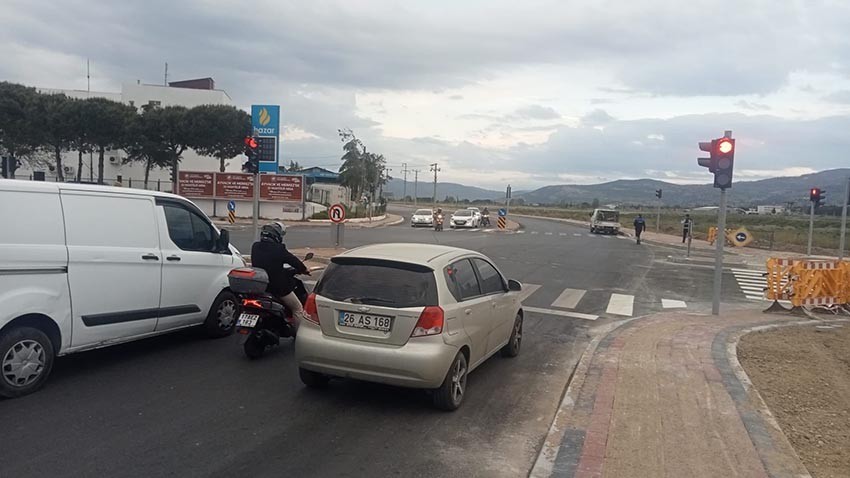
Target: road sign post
{"type": "Point", "coordinates": [231, 211]}
{"type": "Point", "coordinates": [256, 217]}
{"type": "Point", "coordinates": [718, 258]}
{"type": "Point", "coordinates": [336, 214]}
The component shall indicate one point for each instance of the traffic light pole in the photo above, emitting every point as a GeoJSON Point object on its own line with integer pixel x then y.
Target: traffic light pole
{"type": "Point", "coordinates": [256, 201]}
{"type": "Point", "coordinates": [811, 229]}
{"type": "Point", "coordinates": [658, 219]}
{"type": "Point", "coordinates": [718, 258]}
{"type": "Point", "coordinates": [841, 242]}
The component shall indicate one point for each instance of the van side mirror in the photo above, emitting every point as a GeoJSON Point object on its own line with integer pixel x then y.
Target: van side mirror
{"type": "Point", "coordinates": [224, 241]}
{"type": "Point", "coordinates": [514, 286]}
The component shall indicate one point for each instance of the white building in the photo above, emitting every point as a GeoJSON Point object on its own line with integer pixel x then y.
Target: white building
{"type": "Point", "coordinates": [770, 210]}
{"type": "Point", "coordinates": [188, 93]}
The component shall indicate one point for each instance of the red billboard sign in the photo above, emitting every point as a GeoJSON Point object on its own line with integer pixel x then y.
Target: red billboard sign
{"type": "Point", "coordinates": [195, 185]}
{"type": "Point", "coordinates": [280, 187]}
{"type": "Point", "coordinates": [234, 186]}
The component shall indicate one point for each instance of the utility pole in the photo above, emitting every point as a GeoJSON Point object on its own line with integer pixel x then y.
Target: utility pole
{"type": "Point", "coordinates": [435, 169]}
{"type": "Point", "coordinates": [658, 194]}
{"type": "Point", "coordinates": [416, 186]}
{"type": "Point", "coordinates": [844, 221]}
{"type": "Point", "coordinates": [811, 228]}
{"type": "Point", "coordinates": [404, 171]}
{"type": "Point", "coordinates": [165, 79]}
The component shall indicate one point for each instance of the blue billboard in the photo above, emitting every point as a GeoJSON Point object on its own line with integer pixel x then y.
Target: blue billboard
{"type": "Point", "coordinates": [265, 120]}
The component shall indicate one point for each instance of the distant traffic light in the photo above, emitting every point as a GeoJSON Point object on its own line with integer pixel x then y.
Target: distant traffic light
{"type": "Point", "coordinates": [658, 193]}
{"type": "Point", "coordinates": [817, 196]}
{"type": "Point", "coordinates": [721, 160]}
{"type": "Point", "coordinates": [253, 164]}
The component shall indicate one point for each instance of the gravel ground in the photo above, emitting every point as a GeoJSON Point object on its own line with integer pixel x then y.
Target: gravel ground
{"type": "Point", "coordinates": [803, 374]}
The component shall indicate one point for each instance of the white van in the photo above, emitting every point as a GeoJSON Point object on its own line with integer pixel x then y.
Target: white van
{"type": "Point", "coordinates": [83, 267]}
{"type": "Point", "coordinates": [605, 220]}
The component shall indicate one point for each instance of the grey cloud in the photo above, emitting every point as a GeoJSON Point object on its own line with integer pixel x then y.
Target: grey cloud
{"type": "Point", "coordinates": [597, 117]}
{"type": "Point", "coordinates": [752, 105]}
{"type": "Point", "coordinates": [536, 112]}
{"type": "Point", "coordinates": [842, 96]}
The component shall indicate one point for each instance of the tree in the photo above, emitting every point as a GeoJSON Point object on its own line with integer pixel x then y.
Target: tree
{"type": "Point", "coordinates": [142, 144]}
{"type": "Point", "coordinates": [56, 115]}
{"type": "Point", "coordinates": [79, 115]}
{"type": "Point", "coordinates": [218, 131]}
{"type": "Point", "coordinates": [352, 173]}
{"type": "Point", "coordinates": [169, 131]}
{"type": "Point", "coordinates": [18, 137]}
{"type": "Point", "coordinates": [595, 203]}
{"type": "Point", "coordinates": [107, 127]}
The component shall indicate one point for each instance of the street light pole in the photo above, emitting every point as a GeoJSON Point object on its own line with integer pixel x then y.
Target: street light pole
{"type": "Point", "coordinates": [841, 242]}
{"type": "Point", "coordinates": [404, 171]}
{"type": "Point", "coordinates": [435, 169]}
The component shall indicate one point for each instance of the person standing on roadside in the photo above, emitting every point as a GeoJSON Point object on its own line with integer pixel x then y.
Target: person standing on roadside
{"type": "Point", "coordinates": [640, 226]}
{"type": "Point", "coordinates": [687, 227]}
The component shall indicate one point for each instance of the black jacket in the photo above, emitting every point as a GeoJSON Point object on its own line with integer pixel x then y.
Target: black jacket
{"type": "Point", "coordinates": [271, 256]}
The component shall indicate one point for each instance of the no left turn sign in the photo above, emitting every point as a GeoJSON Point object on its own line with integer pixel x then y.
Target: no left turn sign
{"type": "Point", "coordinates": [336, 213]}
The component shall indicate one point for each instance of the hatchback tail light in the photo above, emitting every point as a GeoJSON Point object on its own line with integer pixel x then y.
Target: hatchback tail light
{"type": "Point", "coordinates": [311, 310]}
{"type": "Point", "coordinates": [430, 322]}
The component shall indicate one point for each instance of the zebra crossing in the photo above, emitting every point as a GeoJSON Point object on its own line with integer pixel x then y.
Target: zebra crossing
{"type": "Point", "coordinates": [576, 303]}
{"type": "Point", "coordinates": [751, 282]}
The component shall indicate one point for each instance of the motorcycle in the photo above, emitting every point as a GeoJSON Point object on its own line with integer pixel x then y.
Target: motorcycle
{"type": "Point", "coordinates": [438, 222]}
{"type": "Point", "coordinates": [485, 220]}
{"type": "Point", "coordinates": [263, 320]}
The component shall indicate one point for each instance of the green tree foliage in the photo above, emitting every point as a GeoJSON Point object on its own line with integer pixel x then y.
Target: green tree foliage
{"type": "Point", "coordinates": [18, 136]}
{"type": "Point", "coordinates": [56, 115]}
{"type": "Point", "coordinates": [143, 145]}
{"type": "Point", "coordinates": [361, 171]}
{"type": "Point", "coordinates": [107, 127]}
{"type": "Point", "coordinates": [218, 131]}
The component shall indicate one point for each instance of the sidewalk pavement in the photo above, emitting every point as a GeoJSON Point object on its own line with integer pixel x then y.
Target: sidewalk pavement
{"type": "Point", "coordinates": [665, 396]}
{"type": "Point", "coordinates": [378, 221]}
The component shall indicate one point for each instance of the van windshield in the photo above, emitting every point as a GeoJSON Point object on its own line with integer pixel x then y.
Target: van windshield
{"type": "Point", "coordinates": [608, 216]}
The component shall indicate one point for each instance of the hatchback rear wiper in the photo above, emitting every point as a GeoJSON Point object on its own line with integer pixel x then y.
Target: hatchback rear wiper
{"type": "Point", "coordinates": [361, 300]}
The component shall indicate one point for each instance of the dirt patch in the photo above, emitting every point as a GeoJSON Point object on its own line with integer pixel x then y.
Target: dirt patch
{"type": "Point", "coordinates": [803, 374]}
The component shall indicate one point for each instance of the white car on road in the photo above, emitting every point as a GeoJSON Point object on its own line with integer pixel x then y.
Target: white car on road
{"type": "Point", "coordinates": [465, 218]}
{"type": "Point", "coordinates": [411, 315]}
{"type": "Point", "coordinates": [422, 217]}
{"type": "Point", "coordinates": [84, 267]}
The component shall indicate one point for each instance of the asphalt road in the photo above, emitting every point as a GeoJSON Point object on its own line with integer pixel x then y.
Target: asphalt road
{"type": "Point", "coordinates": [183, 405]}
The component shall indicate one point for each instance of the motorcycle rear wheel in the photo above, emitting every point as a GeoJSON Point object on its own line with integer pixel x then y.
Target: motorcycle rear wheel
{"type": "Point", "coordinates": [253, 348]}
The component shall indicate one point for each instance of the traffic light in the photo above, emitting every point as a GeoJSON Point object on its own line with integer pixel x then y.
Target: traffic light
{"type": "Point", "coordinates": [721, 160]}
{"type": "Point", "coordinates": [658, 193]}
{"type": "Point", "coordinates": [253, 164]}
{"type": "Point", "coordinates": [817, 196]}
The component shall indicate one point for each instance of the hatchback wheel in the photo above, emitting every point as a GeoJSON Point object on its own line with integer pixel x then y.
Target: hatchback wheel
{"type": "Point", "coordinates": [511, 349]}
{"type": "Point", "coordinates": [451, 393]}
{"type": "Point", "coordinates": [26, 358]}
{"type": "Point", "coordinates": [312, 379]}
{"type": "Point", "coordinates": [222, 316]}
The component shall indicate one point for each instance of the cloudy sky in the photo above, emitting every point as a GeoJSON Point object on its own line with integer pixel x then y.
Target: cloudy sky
{"type": "Point", "coordinates": [532, 93]}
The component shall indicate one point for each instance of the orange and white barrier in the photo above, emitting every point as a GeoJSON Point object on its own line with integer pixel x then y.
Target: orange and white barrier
{"type": "Point", "coordinates": [808, 281]}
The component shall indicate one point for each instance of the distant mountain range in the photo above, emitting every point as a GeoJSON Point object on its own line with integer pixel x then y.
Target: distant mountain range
{"type": "Point", "coordinates": [773, 191]}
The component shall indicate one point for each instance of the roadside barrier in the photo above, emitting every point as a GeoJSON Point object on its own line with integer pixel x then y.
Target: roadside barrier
{"type": "Point", "coordinates": [712, 234]}
{"type": "Point", "coordinates": [808, 282]}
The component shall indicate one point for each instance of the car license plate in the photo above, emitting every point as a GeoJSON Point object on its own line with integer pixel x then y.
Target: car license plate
{"type": "Point", "coordinates": [365, 321]}
{"type": "Point", "coordinates": [247, 320]}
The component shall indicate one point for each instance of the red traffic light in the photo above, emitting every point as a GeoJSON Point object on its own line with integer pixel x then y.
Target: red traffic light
{"type": "Point", "coordinates": [251, 142]}
{"type": "Point", "coordinates": [725, 146]}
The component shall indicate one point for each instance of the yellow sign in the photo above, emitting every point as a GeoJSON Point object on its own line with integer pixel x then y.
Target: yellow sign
{"type": "Point", "coordinates": [740, 237]}
{"type": "Point", "coordinates": [265, 117]}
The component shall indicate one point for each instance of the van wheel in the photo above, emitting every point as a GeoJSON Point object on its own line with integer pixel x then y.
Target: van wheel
{"type": "Point", "coordinates": [26, 358]}
{"type": "Point", "coordinates": [511, 349]}
{"type": "Point", "coordinates": [450, 394]}
{"type": "Point", "coordinates": [222, 316]}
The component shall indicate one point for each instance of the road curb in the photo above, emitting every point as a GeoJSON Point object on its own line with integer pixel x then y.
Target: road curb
{"type": "Point", "coordinates": [544, 466]}
{"type": "Point", "coordinates": [775, 450]}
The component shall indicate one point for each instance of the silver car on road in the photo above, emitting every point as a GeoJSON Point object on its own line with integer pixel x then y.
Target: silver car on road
{"type": "Point", "coordinates": [411, 315]}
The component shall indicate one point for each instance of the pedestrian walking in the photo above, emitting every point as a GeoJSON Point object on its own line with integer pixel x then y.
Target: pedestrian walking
{"type": "Point", "coordinates": [640, 226]}
{"type": "Point", "coordinates": [687, 227]}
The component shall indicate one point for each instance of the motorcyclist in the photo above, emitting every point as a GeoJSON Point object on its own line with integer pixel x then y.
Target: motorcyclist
{"type": "Point", "coordinates": [270, 254]}
{"type": "Point", "coordinates": [438, 215]}
{"type": "Point", "coordinates": [640, 226]}
{"type": "Point", "coordinates": [485, 214]}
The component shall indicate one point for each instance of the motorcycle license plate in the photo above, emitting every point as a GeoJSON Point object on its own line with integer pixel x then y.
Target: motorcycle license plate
{"type": "Point", "coordinates": [247, 320]}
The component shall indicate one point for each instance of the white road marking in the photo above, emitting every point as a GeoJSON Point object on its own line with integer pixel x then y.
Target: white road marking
{"type": "Point", "coordinates": [534, 232]}
{"type": "Point", "coordinates": [474, 230]}
{"type": "Point", "coordinates": [577, 234]}
{"type": "Point", "coordinates": [747, 271]}
{"type": "Point", "coordinates": [592, 235]}
{"type": "Point", "coordinates": [562, 313]}
{"type": "Point", "coordinates": [673, 304]}
{"type": "Point", "coordinates": [569, 298]}
{"type": "Point", "coordinates": [520, 232]}
{"type": "Point", "coordinates": [623, 237]}
{"type": "Point", "coordinates": [621, 304]}
{"type": "Point", "coordinates": [562, 234]}
{"type": "Point", "coordinates": [548, 233]}
{"type": "Point", "coordinates": [527, 290]}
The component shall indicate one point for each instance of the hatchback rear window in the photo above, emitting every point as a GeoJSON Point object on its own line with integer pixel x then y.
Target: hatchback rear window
{"type": "Point", "coordinates": [378, 282]}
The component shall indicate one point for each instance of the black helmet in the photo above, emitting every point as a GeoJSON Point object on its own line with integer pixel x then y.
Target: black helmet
{"type": "Point", "coordinates": [273, 232]}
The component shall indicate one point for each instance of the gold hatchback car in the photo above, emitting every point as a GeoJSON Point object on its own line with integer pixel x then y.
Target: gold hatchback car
{"type": "Point", "coordinates": [411, 315]}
